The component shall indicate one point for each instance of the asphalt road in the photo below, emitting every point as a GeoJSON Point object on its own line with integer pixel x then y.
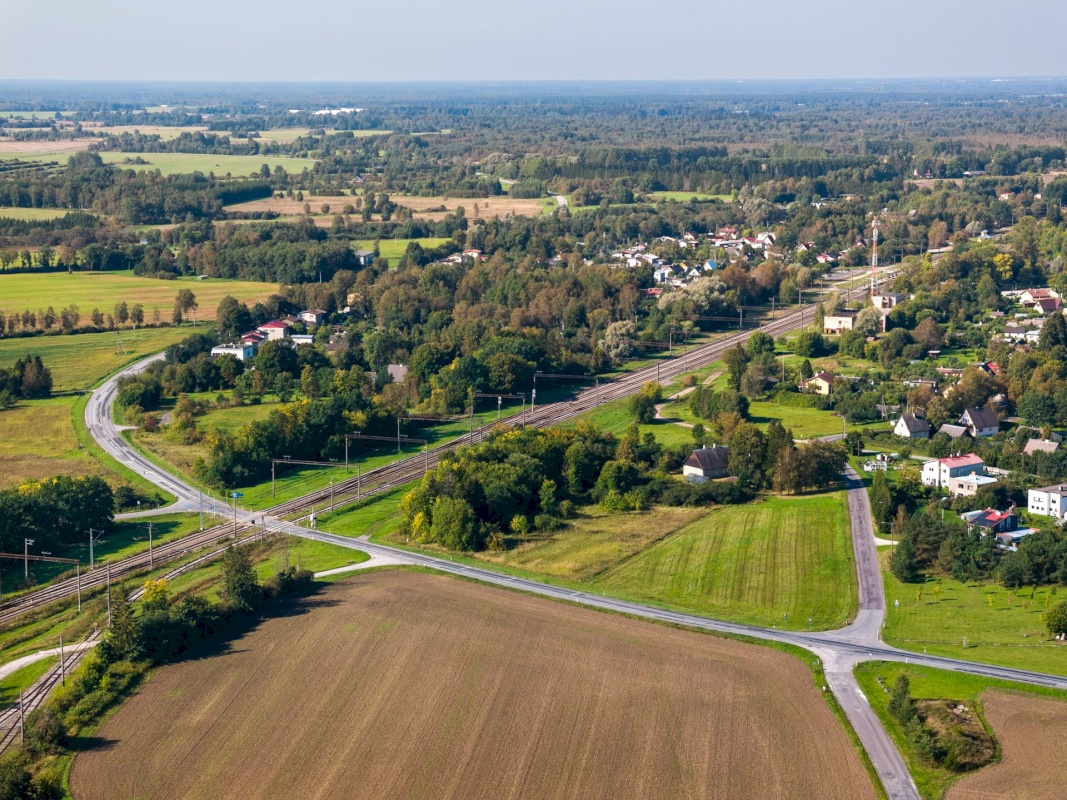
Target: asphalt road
{"type": "Point", "coordinates": [839, 650]}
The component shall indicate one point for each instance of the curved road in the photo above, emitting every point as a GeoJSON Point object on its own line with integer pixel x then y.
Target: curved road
{"type": "Point", "coordinates": [839, 650]}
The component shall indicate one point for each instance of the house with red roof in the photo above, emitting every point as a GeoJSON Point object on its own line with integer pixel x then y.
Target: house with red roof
{"type": "Point", "coordinates": [938, 473]}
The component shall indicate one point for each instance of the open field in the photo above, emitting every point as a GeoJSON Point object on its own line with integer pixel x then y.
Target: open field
{"type": "Point", "coordinates": [82, 360]}
{"type": "Point", "coordinates": [34, 114]}
{"type": "Point", "coordinates": [394, 249]}
{"type": "Point", "coordinates": [1001, 626]}
{"type": "Point", "coordinates": [23, 679]}
{"type": "Point", "coordinates": [167, 163]}
{"type": "Point", "coordinates": [292, 134]}
{"type": "Point", "coordinates": [164, 132]}
{"type": "Point", "coordinates": [487, 206]}
{"type": "Point", "coordinates": [43, 149]}
{"type": "Point", "coordinates": [12, 212]}
{"type": "Point", "coordinates": [89, 290]}
{"type": "Point", "coordinates": [1033, 738]}
{"type": "Point", "coordinates": [877, 678]}
{"type": "Point", "coordinates": [523, 698]}
{"type": "Point", "coordinates": [685, 197]}
{"type": "Point", "coordinates": [779, 562]}
{"type": "Point", "coordinates": [37, 440]}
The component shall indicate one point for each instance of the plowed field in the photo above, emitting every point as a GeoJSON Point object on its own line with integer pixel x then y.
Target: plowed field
{"type": "Point", "coordinates": [405, 685]}
{"type": "Point", "coordinates": [1033, 740]}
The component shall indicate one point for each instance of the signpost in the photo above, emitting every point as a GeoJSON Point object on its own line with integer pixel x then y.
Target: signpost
{"type": "Point", "coordinates": [235, 495]}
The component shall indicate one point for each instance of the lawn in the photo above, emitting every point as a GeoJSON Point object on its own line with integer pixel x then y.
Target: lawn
{"type": "Point", "coordinates": [394, 249]}
{"type": "Point", "coordinates": [23, 679]}
{"type": "Point", "coordinates": [379, 517]}
{"type": "Point", "coordinates": [103, 290]}
{"type": "Point", "coordinates": [83, 360]}
{"type": "Point", "coordinates": [1001, 626]}
{"type": "Point", "coordinates": [777, 562]}
{"type": "Point", "coordinates": [13, 212]}
{"type": "Point", "coordinates": [876, 678]}
{"type": "Point", "coordinates": [230, 418]}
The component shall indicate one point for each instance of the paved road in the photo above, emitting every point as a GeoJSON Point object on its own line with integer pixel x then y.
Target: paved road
{"type": "Point", "coordinates": [839, 650]}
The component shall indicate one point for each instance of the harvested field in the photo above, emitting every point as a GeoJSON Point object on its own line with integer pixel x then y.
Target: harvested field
{"type": "Point", "coordinates": [43, 146]}
{"type": "Point", "coordinates": [399, 684]}
{"type": "Point", "coordinates": [1033, 738]}
{"type": "Point", "coordinates": [487, 206]}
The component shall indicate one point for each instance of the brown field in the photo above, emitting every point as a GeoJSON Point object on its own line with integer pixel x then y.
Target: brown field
{"type": "Point", "coordinates": [1033, 739]}
{"type": "Point", "coordinates": [487, 206]}
{"type": "Point", "coordinates": [409, 685]}
{"type": "Point", "coordinates": [9, 146]}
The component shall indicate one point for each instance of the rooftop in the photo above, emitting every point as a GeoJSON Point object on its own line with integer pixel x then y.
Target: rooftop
{"type": "Point", "coordinates": [969, 460]}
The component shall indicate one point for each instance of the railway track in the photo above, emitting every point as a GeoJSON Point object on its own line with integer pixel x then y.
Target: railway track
{"type": "Point", "coordinates": [399, 472]}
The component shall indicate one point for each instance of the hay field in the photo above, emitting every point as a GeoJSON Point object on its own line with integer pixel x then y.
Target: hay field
{"type": "Point", "coordinates": [487, 206]}
{"type": "Point", "coordinates": [164, 132]}
{"type": "Point", "coordinates": [400, 685]}
{"type": "Point", "coordinates": [166, 163]}
{"type": "Point", "coordinates": [37, 440]}
{"type": "Point", "coordinates": [17, 212]}
{"type": "Point", "coordinates": [1033, 738]}
{"type": "Point", "coordinates": [89, 290]}
{"type": "Point", "coordinates": [39, 150]}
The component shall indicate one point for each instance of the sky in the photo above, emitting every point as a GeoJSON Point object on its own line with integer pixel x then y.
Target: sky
{"type": "Point", "coordinates": [503, 40]}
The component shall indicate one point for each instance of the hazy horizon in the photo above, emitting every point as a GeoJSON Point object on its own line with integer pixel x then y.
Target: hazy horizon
{"type": "Point", "coordinates": [478, 41]}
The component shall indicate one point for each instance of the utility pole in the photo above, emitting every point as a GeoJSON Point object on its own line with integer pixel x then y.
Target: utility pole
{"type": "Point", "coordinates": [201, 491]}
{"type": "Point", "coordinates": [22, 719]}
{"type": "Point", "coordinates": [78, 573]}
{"type": "Point", "coordinates": [62, 663]}
{"type": "Point", "coordinates": [331, 494]}
{"type": "Point", "coordinates": [26, 552]}
{"type": "Point", "coordinates": [151, 553]}
{"type": "Point", "coordinates": [357, 482]}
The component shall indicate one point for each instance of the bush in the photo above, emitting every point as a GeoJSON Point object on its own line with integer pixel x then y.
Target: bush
{"type": "Point", "coordinates": [45, 731]}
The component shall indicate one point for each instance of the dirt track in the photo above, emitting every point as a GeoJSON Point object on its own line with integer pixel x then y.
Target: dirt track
{"type": "Point", "coordinates": [1033, 739]}
{"type": "Point", "coordinates": [404, 685]}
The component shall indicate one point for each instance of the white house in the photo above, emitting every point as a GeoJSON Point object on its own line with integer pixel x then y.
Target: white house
{"type": "Point", "coordinates": [1048, 501]}
{"type": "Point", "coordinates": [274, 330]}
{"type": "Point", "coordinates": [242, 352]}
{"type": "Point", "coordinates": [980, 422]}
{"type": "Point", "coordinates": [912, 426]}
{"type": "Point", "coordinates": [839, 321]}
{"type": "Point", "coordinates": [312, 316]}
{"type": "Point", "coordinates": [940, 472]}
{"type": "Point", "coordinates": [663, 274]}
{"type": "Point", "coordinates": [820, 383]}
{"type": "Point", "coordinates": [706, 464]}
{"type": "Point", "coordinates": [886, 301]}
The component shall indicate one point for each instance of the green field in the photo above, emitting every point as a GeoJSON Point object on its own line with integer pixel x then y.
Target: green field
{"type": "Point", "coordinates": [685, 197]}
{"type": "Point", "coordinates": [1007, 631]}
{"type": "Point", "coordinates": [291, 134]}
{"type": "Point", "coordinates": [89, 290]}
{"type": "Point", "coordinates": [13, 212]}
{"type": "Point", "coordinates": [877, 677]}
{"type": "Point", "coordinates": [83, 360]}
{"type": "Point", "coordinates": [181, 163]}
{"type": "Point", "coordinates": [32, 114]}
{"type": "Point", "coordinates": [23, 679]}
{"type": "Point", "coordinates": [164, 132]}
{"type": "Point", "coordinates": [778, 562]}
{"type": "Point", "coordinates": [394, 249]}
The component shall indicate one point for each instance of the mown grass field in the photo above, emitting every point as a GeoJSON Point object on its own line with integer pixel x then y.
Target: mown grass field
{"type": "Point", "coordinates": [13, 212]}
{"type": "Point", "coordinates": [23, 679]}
{"type": "Point", "coordinates": [89, 290]}
{"type": "Point", "coordinates": [685, 197]}
{"type": "Point", "coordinates": [1001, 625]}
{"type": "Point", "coordinates": [180, 163]}
{"type": "Point", "coordinates": [779, 562]}
{"type": "Point", "coordinates": [878, 677]}
{"type": "Point", "coordinates": [394, 249]}
{"type": "Point", "coordinates": [322, 702]}
{"type": "Point", "coordinates": [83, 360]}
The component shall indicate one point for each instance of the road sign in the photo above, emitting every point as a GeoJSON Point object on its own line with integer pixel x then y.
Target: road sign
{"type": "Point", "coordinates": [235, 495]}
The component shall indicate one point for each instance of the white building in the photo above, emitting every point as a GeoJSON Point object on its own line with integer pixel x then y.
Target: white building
{"type": "Point", "coordinates": [968, 485]}
{"type": "Point", "coordinates": [1048, 501]}
{"type": "Point", "coordinates": [242, 352]}
{"type": "Point", "coordinates": [839, 321]}
{"type": "Point", "coordinates": [940, 472]}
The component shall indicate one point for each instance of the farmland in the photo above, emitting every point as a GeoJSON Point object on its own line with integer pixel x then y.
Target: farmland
{"type": "Point", "coordinates": [166, 163]}
{"type": "Point", "coordinates": [1033, 740]}
{"type": "Point", "coordinates": [89, 290]}
{"type": "Point", "coordinates": [37, 440]}
{"type": "Point", "coordinates": [421, 206]}
{"type": "Point", "coordinates": [394, 249]}
{"type": "Point", "coordinates": [323, 703]}
{"type": "Point", "coordinates": [81, 360]}
{"type": "Point", "coordinates": [31, 213]}
{"type": "Point", "coordinates": [1038, 708]}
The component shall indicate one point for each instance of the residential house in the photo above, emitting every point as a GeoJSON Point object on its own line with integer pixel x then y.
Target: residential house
{"type": "Point", "coordinates": [953, 431]}
{"type": "Point", "coordinates": [887, 300]}
{"type": "Point", "coordinates": [941, 471]}
{"type": "Point", "coordinates": [242, 352]}
{"type": "Point", "coordinates": [1031, 297]}
{"type": "Point", "coordinates": [915, 383]}
{"type": "Point", "coordinates": [710, 265]}
{"type": "Point", "coordinates": [991, 522]}
{"type": "Point", "coordinates": [968, 485]}
{"type": "Point", "coordinates": [911, 426]}
{"type": "Point", "coordinates": [820, 383]}
{"type": "Point", "coordinates": [274, 330]}
{"type": "Point", "coordinates": [313, 316]}
{"type": "Point", "coordinates": [397, 372]}
{"type": "Point", "coordinates": [364, 257]}
{"type": "Point", "coordinates": [1047, 305]}
{"type": "Point", "coordinates": [706, 464]}
{"type": "Point", "coordinates": [1048, 501]}
{"type": "Point", "coordinates": [1014, 332]}
{"type": "Point", "coordinates": [980, 422]}
{"type": "Point", "coordinates": [663, 274]}
{"type": "Point", "coordinates": [254, 338]}
{"type": "Point", "coordinates": [472, 254]}
{"type": "Point", "coordinates": [839, 321]}
{"type": "Point", "coordinates": [301, 338]}
{"type": "Point", "coordinates": [1040, 446]}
